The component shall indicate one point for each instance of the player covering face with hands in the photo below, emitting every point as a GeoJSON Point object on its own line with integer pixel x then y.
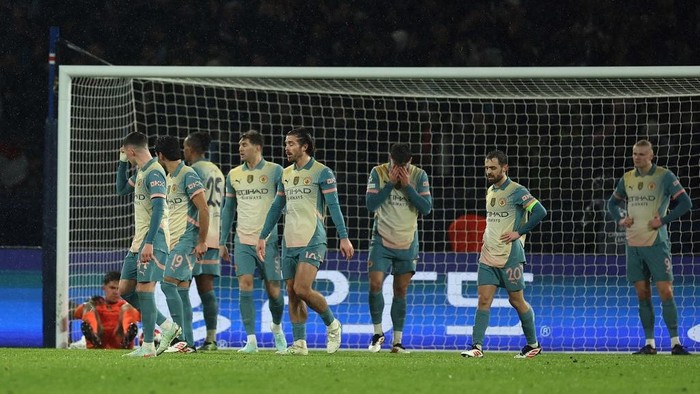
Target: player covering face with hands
{"type": "Point", "coordinates": [397, 193]}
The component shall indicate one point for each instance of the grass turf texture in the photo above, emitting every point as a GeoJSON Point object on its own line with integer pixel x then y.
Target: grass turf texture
{"type": "Point", "coordinates": [101, 371]}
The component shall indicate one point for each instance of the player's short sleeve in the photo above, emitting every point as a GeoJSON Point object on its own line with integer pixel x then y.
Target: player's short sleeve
{"type": "Point", "coordinates": [423, 186]}
{"type": "Point", "coordinates": [521, 196]}
{"type": "Point", "coordinates": [193, 184]}
{"type": "Point", "coordinates": [132, 180]}
{"type": "Point", "coordinates": [155, 184]}
{"type": "Point", "coordinates": [200, 171]}
{"type": "Point", "coordinates": [620, 188]}
{"type": "Point", "coordinates": [327, 181]}
{"type": "Point", "coordinates": [278, 175]}
{"type": "Point", "coordinates": [373, 181]}
{"type": "Point", "coordinates": [280, 187]}
{"type": "Point", "coordinates": [672, 186]}
{"type": "Point", "coordinates": [230, 192]}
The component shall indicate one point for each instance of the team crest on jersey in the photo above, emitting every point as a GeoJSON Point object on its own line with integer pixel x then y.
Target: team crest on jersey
{"type": "Point", "coordinates": [640, 186]}
{"type": "Point", "coordinates": [651, 186]}
{"type": "Point", "coordinates": [493, 202]}
{"type": "Point", "coordinates": [307, 181]}
{"type": "Point", "coordinates": [296, 180]}
{"type": "Point", "coordinates": [250, 179]}
{"type": "Point", "coordinates": [263, 178]}
{"type": "Point", "coordinates": [502, 202]}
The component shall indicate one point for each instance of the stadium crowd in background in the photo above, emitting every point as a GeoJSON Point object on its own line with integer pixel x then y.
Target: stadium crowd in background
{"type": "Point", "coordinates": [297, 33]}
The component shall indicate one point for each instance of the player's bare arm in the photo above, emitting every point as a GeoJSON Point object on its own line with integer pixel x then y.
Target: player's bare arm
{"type": "Point", "coordinates": [147, 253]}
{"type": "Point", "coordinates": [626, 222]}
{"type": "Point", "coordinates": [656, 222]}
{"type": "Point", "coordinates": [223, 250]}
{"type": "Point", "coordinates": [260, 248]}
{"type": "Point", "coordinates": [346, 248]}
{"type": "Point", "coordinates": [509, 236]}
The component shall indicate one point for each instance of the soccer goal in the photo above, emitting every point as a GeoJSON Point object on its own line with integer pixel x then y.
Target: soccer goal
{"type": "Point", "coordinates": [567, 131]}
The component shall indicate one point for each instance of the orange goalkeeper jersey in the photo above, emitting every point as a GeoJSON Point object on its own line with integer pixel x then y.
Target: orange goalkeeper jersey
{"type": "Point", "coordinates": [108, 315]}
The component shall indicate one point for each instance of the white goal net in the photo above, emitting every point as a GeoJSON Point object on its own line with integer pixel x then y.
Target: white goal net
{"type": "Point", "coordinates": [568, 134]}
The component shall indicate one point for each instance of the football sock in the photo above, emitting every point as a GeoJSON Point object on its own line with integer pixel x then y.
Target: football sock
{"type": "Point", "coordinates": [481, 322]}
{"type": "Point", "coordinates": [247, 308]}
{"type": "Point", "coordinates": [210, 309]}
{"type": "Point", "coordinates": [398, 313]}
{"type": "Point", "coordinates": [398, 337]}
{"type": "Point", "coordinates": [378, 329]}
{"type": "Point", "coordinates": [299, 331]}
{"type": "Point", "coordinates": [211, 336]}
{"type": "Point", "coordinates": [670, 316]}
{"type": "Point", "coordinates": [187, 330]}
{"type": "Point", "coordinates": [376, 308]}
{"type": "Point", "coordinates": [173, 300]}
{"type": "Point", "coordinates": [327, 316]}
{"type": "Point", "coordinates": [277, 308]}
{"type": "Point", "coordinates": [527, 321]}
{"type": "Point", "coordinates": [165, 324]}
{"type": "Point", "coordinates": [147, 301]}
{"type": "Point", "coordinates": [646, 315]}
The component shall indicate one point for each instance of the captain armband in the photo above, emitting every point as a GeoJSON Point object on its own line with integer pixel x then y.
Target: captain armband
{"type": "Point", "coordinates": [529, 207]}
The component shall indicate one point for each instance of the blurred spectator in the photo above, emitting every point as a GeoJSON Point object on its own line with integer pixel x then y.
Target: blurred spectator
{"type": "Point", "coordinates": [14, 166]}
{"type": "Point", "coordinates": [597, 232]}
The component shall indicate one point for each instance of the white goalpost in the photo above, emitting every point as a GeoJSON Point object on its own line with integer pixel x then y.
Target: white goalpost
{"type": "Point", "coordinates": [567, 131]}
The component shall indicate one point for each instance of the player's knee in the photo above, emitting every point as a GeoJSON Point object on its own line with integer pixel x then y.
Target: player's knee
{"type": "Point", "coordinates": [518, 304]}
{"type": "Point", "coordinates": [273, 291]}
{"type": "Point", "coordinates": [644, 294]}
{"type": "Point", "coordinates": [245, 282]}
{"type": "Point", "coordinates": [666, 294]}
{"type": "Point", "coordinates": [400, 291]}
{"type": "Point", "coordinates": [303, 292]}
{"type": "Point", "coordinates": [375, 286]}
{"type": "Point", "coordinates": [484, 301]}
{"type": "Point", "coordinates": [205, 283]}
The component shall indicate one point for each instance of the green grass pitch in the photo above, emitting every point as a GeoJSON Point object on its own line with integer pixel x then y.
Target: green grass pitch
{"type": "Point", "coordinates": [225, 371]}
